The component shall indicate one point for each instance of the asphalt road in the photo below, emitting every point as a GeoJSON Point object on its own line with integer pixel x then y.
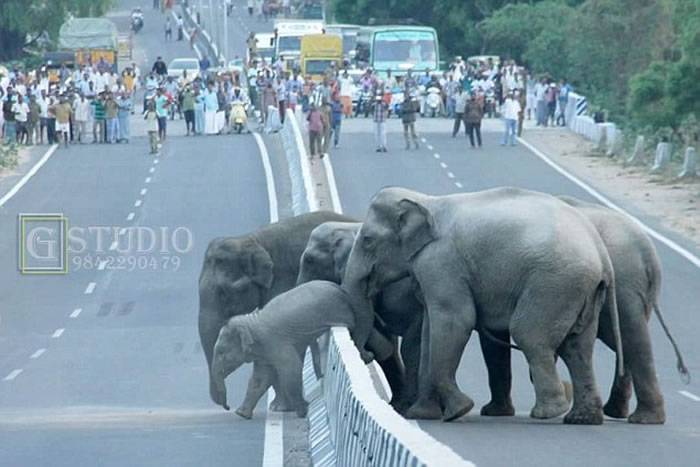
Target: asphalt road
{"type": "Point", "coordinates": [519, 440]}
{"type": "Point", "coordinates": [112, 372]}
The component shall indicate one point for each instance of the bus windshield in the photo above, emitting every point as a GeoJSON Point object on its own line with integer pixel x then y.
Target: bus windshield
{"type": "Point", "coordinates": [405, 49]}
{"type": "Point", "coordinates": [318, 67]}
{"type": "Point", "coordinates": [289, 44]}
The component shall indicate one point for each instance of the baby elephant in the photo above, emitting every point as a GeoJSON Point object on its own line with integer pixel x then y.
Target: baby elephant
{"type": "Point", "coordinates": [277, 336]}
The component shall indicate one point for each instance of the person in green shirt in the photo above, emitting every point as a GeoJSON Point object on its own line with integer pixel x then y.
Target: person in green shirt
{"type": "Point", "coordinates": [188, 109]}
{"type": "Point", "coordinates": [98, 119]}
{"type": "Point", "coordinates": [112, 118]}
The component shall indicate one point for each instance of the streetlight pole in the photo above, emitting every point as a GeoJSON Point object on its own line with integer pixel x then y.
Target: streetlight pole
{"type": "Point", "coordinates": [226, 57]}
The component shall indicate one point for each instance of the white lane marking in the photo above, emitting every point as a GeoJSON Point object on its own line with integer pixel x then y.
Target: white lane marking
{"type": "Point", "coordinates": [436, 156]}
{"type": "Point", "coordinates": [144, 191]}
{"type": "Point", "coordinates": [114, 245]}
{"type": "Point", "coordinates": [15, 373]}
{"type": "Point", "coordinates": [13, 191]}
{"type": "Point", "coordinates": [458, 185]}
{"type": "Point", "coordinates": [269, 178]}
{"type": "Point", "coordinates": [430, 147]}
{"type": "Point", "coordinates": [423, 140]}
{"type": "Point", "coordinates": [122, 231]}
{"type": "Point", "coordinates": [101, 266]}
{"type": "Point", "coordinates": [332, 186]}
{"type": "Point", "coordinates": [450, 174]}
{"type": "Point", "coordinates": [443, 165]}
{"type": "Point", "coordinates": [273, 448]}
{"type": "Point", "coordinates": [130, 217]}
{"type": "Point", "coordinates": [155, 161]}
{"type": "Point", "coordinates": [138, 203]}
{"type": "Point", "coordinates": [152, 169]}
{"type": "Point", "coordinates": [76, 313]}
{"type": "Point", "coordinates": [90, 288]}
{"type": "Point", "coordinates": [591, 191]}
{"type": "Point", "coordinates": [148, 179]}
{"type": "Point", "coordinates": [37, 354]}
{"type": "Point", "coordinates": [57, 333]}
{"type": "Point", "coordinates": [689, 395]}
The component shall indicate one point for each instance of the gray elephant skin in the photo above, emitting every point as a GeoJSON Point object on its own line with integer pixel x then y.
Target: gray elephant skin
{"type": "Point", "coordinates": [240, 274]}
{"type": "Point", "coordinates": [277, 337]}
{"type": "Point", "coordinates": [399, 313]}
{"type": "Point", "coordinates": [638, 282]}
{"type": "Point", "coordinates": [497, 260]}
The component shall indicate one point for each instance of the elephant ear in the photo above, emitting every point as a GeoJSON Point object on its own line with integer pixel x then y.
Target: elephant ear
{"type": "Point", "coordinates": [246, 340]}
{"type": "Point", "coordinates": [414, 227]}
{"type": "Point", "coordinates": [260, 266]}
{"type": "Point", "coordinates": [341, 251]}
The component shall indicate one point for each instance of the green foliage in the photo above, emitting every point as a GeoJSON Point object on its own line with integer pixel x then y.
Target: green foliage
{"type": "Point", "coordinates": [8, 156]}
{"type": "Point", "coordinates": [21, 21]}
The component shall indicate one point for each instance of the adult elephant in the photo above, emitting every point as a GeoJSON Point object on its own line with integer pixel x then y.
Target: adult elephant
{"type": "Point", "coordinates": [638, 282]}
{"type": "Point", "coordinates": [501, 259]}
{"type": "Point", "coordinates": [243, 273]}
{"type": "Point", "coordinates": [398, 311]}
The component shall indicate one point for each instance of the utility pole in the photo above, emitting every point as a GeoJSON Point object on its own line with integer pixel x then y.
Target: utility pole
{"type": "Point", "coordinates": [226, 57]}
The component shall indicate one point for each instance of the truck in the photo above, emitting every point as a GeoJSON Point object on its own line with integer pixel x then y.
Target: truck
{"type": "Point", "coordinates": [288, 39]}
{"type": "Point", "coordinates": [89, 40]}
{"type": "Point", "coordinates": [319, 52]}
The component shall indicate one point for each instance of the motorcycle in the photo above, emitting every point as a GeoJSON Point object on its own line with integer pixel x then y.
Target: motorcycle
{"type": "Point", "coordinates": [433, 101]}
{"type": "Point", "coordinates": [239, 116]}
{"type": "Point", "coordinates": [397, 99]}
{"type": "Point", "coordinates": [136, 22]}
{"type": "Point", "coordinates": [364, 103]}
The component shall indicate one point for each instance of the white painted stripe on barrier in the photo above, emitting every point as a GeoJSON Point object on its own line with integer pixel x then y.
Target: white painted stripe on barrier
{"type": "Point", "coordinates": [311, 197]}
{"type": "Point", "coordinates": [273, 450]}
{"type": "Point", "coordinates": [269, 178]}
{"type": "Point", "coordinates": [23, 181]}
{"type": "Point", "coordinates": [591, 191]}
{"type": "Point", "coordinates": [332, 186]}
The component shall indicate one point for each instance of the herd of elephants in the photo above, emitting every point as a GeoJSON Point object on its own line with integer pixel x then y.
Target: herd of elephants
{"type": "Point", "coordinates": [529, 271]}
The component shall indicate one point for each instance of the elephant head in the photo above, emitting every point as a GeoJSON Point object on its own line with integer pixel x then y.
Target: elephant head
{"type": "Point", "coordinates": [327, 252]}
{"type": "Point", "coordinates": [232, 349]}
{"type": "Point", "coordinates": [236, 276]}
{"type": "Point", "coordinates": [397, 227]}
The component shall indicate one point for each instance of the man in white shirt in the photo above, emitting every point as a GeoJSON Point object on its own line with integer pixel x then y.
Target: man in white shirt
{"type": "Point", "coordinates": [21, 111]}
{"type": "Point", "coordinates": [347, 86]}
{"type": "Point", "coordinates": [43, 102]}
{"type": "Point", "coordinates": [510, 110]}
{"type": "Point", "coordinates": [81, 115]}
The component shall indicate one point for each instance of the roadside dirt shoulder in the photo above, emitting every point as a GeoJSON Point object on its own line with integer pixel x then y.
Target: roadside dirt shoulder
{"type": "Point", "coordinates": [676, 204]}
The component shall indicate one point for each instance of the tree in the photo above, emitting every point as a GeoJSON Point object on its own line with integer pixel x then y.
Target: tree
{"type": "Point", "coordinates": [22, 21]}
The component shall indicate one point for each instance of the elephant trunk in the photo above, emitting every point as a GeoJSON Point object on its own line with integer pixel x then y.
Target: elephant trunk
{"type": "Point", "coordinates": [356, 284]}
{"type": "Point", "coordinates": [218, 388]}
{"type": "Point", "coordinates": [208, 333]}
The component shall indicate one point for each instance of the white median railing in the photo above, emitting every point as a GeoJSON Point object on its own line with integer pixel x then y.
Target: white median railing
{"type": "Point", "coordinates": [578, 121]}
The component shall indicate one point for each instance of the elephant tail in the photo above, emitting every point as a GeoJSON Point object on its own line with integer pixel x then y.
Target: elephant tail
{"type": "Point", "coordinates": [316, 358]}
{"type": "Point", "coordinates": [680, 365]}
{"type": "Point", "coordinates": [608, 291]}
{"type": "Point", "coordinates": [496, 340]}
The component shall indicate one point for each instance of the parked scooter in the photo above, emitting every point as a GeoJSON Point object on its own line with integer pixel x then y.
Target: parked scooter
{"type": "Point", "coordinates": [433, 100]}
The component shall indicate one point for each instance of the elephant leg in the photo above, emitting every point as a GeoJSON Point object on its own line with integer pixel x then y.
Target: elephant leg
{"type": "Point", "coordinates": [289, 368]}
{"type": "Point", "coordinates": [410, 352]}
{"type": "Point", "coordinates": [497, 359]}
{"type": "Point", "coordinates": [261, 379]}
{"type": "Point", "coordinates": [639, 364]}
{"type": "Point", "coordinates": [577, 353]}
{"type": "Point", "coordinates": [427, 405]}
{"type": "Point", "coordinates": [452, 319]}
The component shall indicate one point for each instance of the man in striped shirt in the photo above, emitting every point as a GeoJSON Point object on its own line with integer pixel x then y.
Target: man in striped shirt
{"type": "Point", "coordinates": [380, 113]}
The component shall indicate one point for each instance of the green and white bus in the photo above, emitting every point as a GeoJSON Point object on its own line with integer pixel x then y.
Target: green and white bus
{"type": "Point", "coordinates": [398, 48]}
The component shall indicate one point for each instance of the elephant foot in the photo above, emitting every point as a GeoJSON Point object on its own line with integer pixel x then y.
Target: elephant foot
{"type": "Point", "coordinates": [648, 415]}
{"type": "Point", "coordinates": [457, 405]}
{"type": "Point", "coordinates": [584, 417]}
{"type": "Point", "coordinates": [498, 409]}
{"type": "Point", "coordinates": [550, 409]}
{"type": "Point", "coordinates": [401, 405]}
{"type": "Point", "coordinates": [424, 409]}
{"type": "Point", "coordinates": [302, 409]}
{"type": "Point", "coordinates": [616, 409]}
{"type": "Point", "coordinates": [244, 413]}
{"type": "Point", "coordinates": [279, 405]}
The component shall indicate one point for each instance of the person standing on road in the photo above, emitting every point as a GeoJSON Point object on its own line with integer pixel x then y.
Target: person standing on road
{"type": "Point", "coordinates": [511, 109]}
{"type": "Point", "coordinates": [151, 118]}
{"type": "Point", "coordinates": [252, 44]}
{"type": "Point", "coordinates": [111, 114]}
{"type": "Point", "coordinates": [198, 111]}
{"type": "Point", "coordinates": [211, 107]}
{"type": "Point", "coordinates": [180, 27]}
{"type": "Point", "coordinates": [564, 90]}
{"type": "Point", "coordinates": [551, 100]}
{"type": "Point", "coordinates": [540, 103]}
{"type": "Point", "coordinates": [188, 109]}
{"type": "Point", "coordinates": [315, 123]}
{"type": "Point", "coordinates": [380, 112]}
{"type": "Point", "coordinates": [51, 121]}
{"type": "Point", "coordinates": [159, 68]}
{"type": "Point", "coordinates": [63, 113]}
{"type": "Point", "coordinates": [461, 99]}
{"type": "Point", "coordinates": [522, 100]}
{"type": "Point", "coordinates": [168, 29]}
{"type": "Point", "coordinates": [473, 114]}
{"type": "Point", "coordinates": [162, 104]}
{"type": "Point", "coordinates": [336, 120]}
{"type": "Point", "coordinates": [43, 115]}
{"type": "Point", "coordinates": [9, 117]}
{"type": "Point", "coordinates": [21, 113]}
{"type": "Point", "coordinates": [346, 88]}
{"type": "Point", "coordinates": [409, 109]}
{"type": "Point", "coordinates": [125, 105]}
{"type": "Point", "coordinates": [98, 119]}
{"type": "Point", "coordinates": [251, 7]}
{"type": "Point", "coordinates": [281, 91]}
{"type": "Point", "coordinates": [81, 114]}
{"type": "Point", "coordinates": [33, 120]}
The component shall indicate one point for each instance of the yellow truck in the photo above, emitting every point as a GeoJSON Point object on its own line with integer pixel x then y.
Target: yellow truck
{"type": "Point", "coordinates": [320, 52]}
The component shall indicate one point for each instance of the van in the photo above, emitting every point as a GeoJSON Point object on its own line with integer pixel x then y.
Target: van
{"type": "Point", "coordinates": [289, 34]}
{"type": "Point", "coordinates": [319, 52]}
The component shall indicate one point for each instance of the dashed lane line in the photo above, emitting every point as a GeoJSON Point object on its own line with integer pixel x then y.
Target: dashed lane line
{"type": "Point", "coordinates": [436, 156]}
{"type": "Point", "coordinates": [57, 333]}
{"type": "Point", "coordinates": [450, 175]}
{"type": "Point", "coordinates": [148, 179]}
{"type": "Point", "coordinates": [130, 217]}
{"type": "Point", "coordinates": [37, 354]}
{"type": "Point", "coordinates": [13, 374]}
{"type": "Point", "coordinates": [90, 288]}
{"type": "Point", "coordinates": [430, 147]}
{"type": "Point", "coordinates": [155, 161]}
{"type": "Point", "coordinates": [443, 165]}
{"type": "Point", "coordinates": [76, 313]}
{"type": "Point", "coordinates": [102, 265]}
{"type": "Point", "coordinates": [458, 185]}
{"type": "Point", "coordinates": [690, 395]}
{"type": "Point", "coordinates": [152, 169]}
{"type": "Point", "coordinates": [138, 203]}
{"type": "Point", "coordinates": [113, 246]}
{"type": "Point", "coordinates": [144, 191]}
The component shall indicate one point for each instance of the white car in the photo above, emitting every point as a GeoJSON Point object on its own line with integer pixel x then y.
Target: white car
{"type": "Point", "coordinates": [178, 66]}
